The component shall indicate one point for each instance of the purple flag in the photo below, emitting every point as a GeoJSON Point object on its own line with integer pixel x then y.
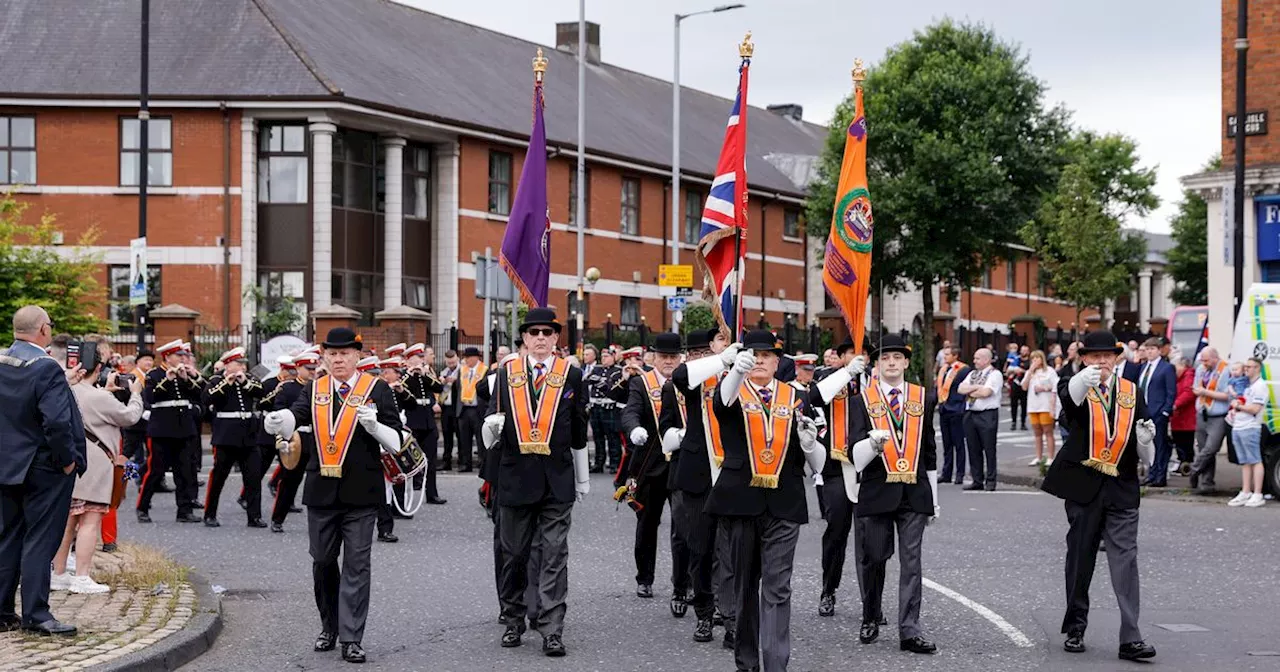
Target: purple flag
{"type": "Point", "coordinates": [526, 245]}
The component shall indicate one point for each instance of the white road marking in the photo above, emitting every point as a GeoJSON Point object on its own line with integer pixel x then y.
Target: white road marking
{"type": "Point", "coordinates": [1004, 626]}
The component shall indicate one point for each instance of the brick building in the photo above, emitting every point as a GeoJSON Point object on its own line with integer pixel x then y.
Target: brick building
{"type": "Point", "coordinates": [363, 153]}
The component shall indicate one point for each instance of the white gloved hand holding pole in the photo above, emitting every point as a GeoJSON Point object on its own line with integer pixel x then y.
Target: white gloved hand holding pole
{"type": "Point", "coordinates": [856, 366]}
{"type": "Point", "coordinates": [814, 455]}
{"type": "Point", "coordinates": [1088, 378]}
{"type": "Point", "coordinates": [581, 474]}
{"type": "Point", "coordinates": [730, 355]}
{"type": "Point", "coordinates": [491, 430]}
{"type": "Point", "coordinates": [279, 423]}
{"type": "Point", "coordinates": [639, 436]}
{"type": "Point", "coordinates": [367, 416]}
{"type": "Point", "coordinates": [671, 440]}
{"type": "Point", "coordinates": [702, 368]}
{"type": "Point", "coordinates": [742, 365]}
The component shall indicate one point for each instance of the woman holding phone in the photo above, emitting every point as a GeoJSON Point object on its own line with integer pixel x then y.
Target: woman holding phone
{"type": "Point", "coordinates": [1041, 384]}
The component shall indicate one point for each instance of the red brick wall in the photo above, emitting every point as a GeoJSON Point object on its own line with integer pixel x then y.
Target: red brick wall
{"type": "Point", "coordinates": [1262, 79]}
{"type": "Point", "coordinates": [1001, 309]}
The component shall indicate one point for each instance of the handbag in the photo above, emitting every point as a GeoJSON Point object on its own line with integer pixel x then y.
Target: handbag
{"type": "Point", "coordinates": [117, 471]}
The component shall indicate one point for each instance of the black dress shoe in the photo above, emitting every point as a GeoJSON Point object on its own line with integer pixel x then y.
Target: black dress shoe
{"type": "Point", "coordinates": [1138, 650]}
{"type": "Point", "coordinates": [326, 641]}
{"type": "Point", "coordinates": [437, 500]}
{"type": "Point", "coordinates": [210, 522]}
{"type": "Point", "coordinates": [959, 481]}
{"type": "Point", "coordinates": [257, 522]}
{"type": "Point", "coordinates": [972, 487]}
{"type": "Point", "coordinates": [882, 621]}
{"type": "Point", "coordinates": [352, 652]}
{"type": "Point", "coordinates": [869, 632]}
{"type": "Point", "coordinates": [295, 509]}
{"type": "Point", "coordinates": [644, 590]}
{"type": "Point", "coordinates": [990, 487]}
{"type": "Point", "coordinates": [10, 623]}
{"type": "Point", "coordinates": [110, 548]}
{"type": "Point", "coordinates": [144, 517]}
{"type": "Point", "coordinates": [465, 470]}
{"type": "Point", "coordinates": [730, 639]}
{"type": "Point", "coordinates": [827, 605]}
{"type": "Point", "coordinates": [244, 504]}
{"type": "Point", "coordinates": [1074, 643]}
{"type": "Point", "coordinates": [917, 644]}
{"type": "Point", "coordinates": [717, 618]}
{"type": "Point", "coordinates": [445, 467]}
{"type": "Point", "coordinates": [388, 538]}
{"type": "Point", "coordinates": [272, 488]}
{"type": "Point", "coordinates": [278, 528]}
{"type": "Point", "coordinates": [553, 647]}
{"type": "Point", "coordinates": [188, 518]}
{"type": "Point", "coordinates": [1160, 484]}
{"type": "Point", "coordinates": [200, 483]}
{"type": "Point", "coordinates": [703, 633]}
{"type": "Point", "coordinates": [511, 637]}
{"type": "Point", "coordinates": [679, 604]}
{"type": "Point", "coordinates": [596, 470]}
{"type": "Point", "coordinates": [55, 627]}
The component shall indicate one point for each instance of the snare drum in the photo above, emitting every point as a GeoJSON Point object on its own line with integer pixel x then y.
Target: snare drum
{"type": "Point", "coordinates": [405, 464]}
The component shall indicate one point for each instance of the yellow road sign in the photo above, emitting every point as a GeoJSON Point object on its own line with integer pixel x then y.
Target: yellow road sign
{"type": "Point", "coordinates": [675, 275]}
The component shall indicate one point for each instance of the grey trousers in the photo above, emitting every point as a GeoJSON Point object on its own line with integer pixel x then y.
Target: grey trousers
{"type": "Point", "coordinates": [696, 531]}
{"type": "Point", "coordinates": [521, 529]}
{"type": "Point", "coordinates": [1090, 523]}
{"type": "Point", "coordinates": [342, 596]}
{"type": "Point", "coordinates": [980, 429]}
{"type": "Point", "coordinates": [1210, 432]}
{"type": "Point", "coordinates": [531, 590]}
{"type": "Point", "coordinates": [765, 548]}
{"type": "Point", "coordinates": [725, 575]}
{"type": "Point", "coordinates": [877, 548]}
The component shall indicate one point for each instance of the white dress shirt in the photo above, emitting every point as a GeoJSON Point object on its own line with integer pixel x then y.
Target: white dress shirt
{"type": "Point", "coordinates": [994, 382]}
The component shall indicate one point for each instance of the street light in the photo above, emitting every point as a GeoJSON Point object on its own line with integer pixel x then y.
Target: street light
{"type": "Point", "coordinates": [677, 223]}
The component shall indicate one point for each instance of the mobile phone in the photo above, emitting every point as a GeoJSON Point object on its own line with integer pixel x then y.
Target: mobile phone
{"type": "Point", "coordinates": [88, 357]}
{"type": "Point", "coordinates": [73, 354]}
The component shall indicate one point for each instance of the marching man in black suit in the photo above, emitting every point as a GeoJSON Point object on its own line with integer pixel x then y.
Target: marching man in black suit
{"type": "Point", "coordinates": [353, 418]}
{"type": "Point", "coordinates": [761, 492]}
{"type": "Point", "coordinates": [893, 450]}
{"type": "Point", "coordinates": [537, 426]}
{"type": "Point", "coordinates": [1096, 473]}
{"type": "Point", "coordinates": [233, 395]}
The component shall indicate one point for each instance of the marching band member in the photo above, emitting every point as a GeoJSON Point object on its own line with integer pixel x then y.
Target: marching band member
{"type": "Point", "coordinates": [169, 392]}
{"type": "Point", "coordinates": [761, 491]}
{"type": "Point", "coordinates": [806, 366]}
{"type": "Point", "coordinates": [354, 418]}
{"type": "Point", "coordinates": [265, 442]}
{"type": "Point", "coordinates": [1096, 474]}
{"type": "Point", "coordinates": [193, 451]}
{"type": "Point", "coordinates": [893, 450]}
{"type": "Point", "coordinates": [289, 392]}
{"type": "Point", "coordinates": [423, 386]}
{"type": "Point", "coordinates": [537, 422]}
{"type": "Point", "coordinates": [233, 395]}
{"type": "Point", "coordinates": [689, 429]}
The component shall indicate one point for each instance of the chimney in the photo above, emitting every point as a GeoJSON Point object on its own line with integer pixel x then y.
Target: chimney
{"type": "Point", "coordinates": [567, 39]}
{"type": "Point", "coordinates": [790, 110]}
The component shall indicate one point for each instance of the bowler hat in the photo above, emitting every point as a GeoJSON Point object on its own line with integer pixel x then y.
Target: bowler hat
{"type": "Point", "coordinates": [845, 346]}
{"type": "Point", "coordinates": [761, 339]}
{"type": "Point", "coordinates": [342, 337]}
{"type": "Point", "coordinates": [1100, 341]}
{"type": "Point", "coordinates": [891, 343]}
{"type": "Point", "coordinates": [471, 351]}
{"type": "Point", "coordinates": [701, 338]}
{"type": "Point", "coordinates": [539, 317]}
{"type": "Point", "coordinates": [667, 343]}
{"type": "Point", "coordinates": [145, 353]}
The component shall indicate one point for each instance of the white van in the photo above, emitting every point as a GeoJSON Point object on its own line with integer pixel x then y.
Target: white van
{"type": "Point", "coordinates": [1257, 334]}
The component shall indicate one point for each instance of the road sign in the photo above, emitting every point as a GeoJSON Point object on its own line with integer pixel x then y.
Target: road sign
{"type": "Point", "coordinates": [684, 291]}
{"type": "Point", "coordinates": [138, 272]}
{"type": "Point", "coordinates": [675, 275]}
{"type": "Point", "coordinates": [675, 303]}
{"type": "Point", "coordinates": [492, 280]}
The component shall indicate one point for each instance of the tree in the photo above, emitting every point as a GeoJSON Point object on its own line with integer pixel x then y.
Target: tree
{"type": "Point", "coordinates": [697, 317]}
{"type": "Point", "coordinates": [960, 145]}
{"type": "Point", "coordinates": [1110, 164]}
{"type": "Point", "coordinates": [33, 271]}
{"type": "Point", "coordinates": [1083, 251]}
{"type": "Point", "coordinates": [276, 314]}
{"type": "Point", "coordinates": [1188, 259]}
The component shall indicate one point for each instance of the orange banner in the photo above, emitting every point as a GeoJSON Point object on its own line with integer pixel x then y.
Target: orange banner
{"type": "Point", "coordinates": [846, 267]}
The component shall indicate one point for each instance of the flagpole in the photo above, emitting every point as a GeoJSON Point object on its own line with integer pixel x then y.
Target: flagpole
{"type": "Point", "coordinates": [745, 51]}
{"type": "Point", "coordinates": [737, 279]}
{"type": "Point", "coordinates": [580, 206]}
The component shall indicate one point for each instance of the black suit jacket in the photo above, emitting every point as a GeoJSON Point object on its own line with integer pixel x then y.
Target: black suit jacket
{"type": "Point", "coordinates": [233, 398]}
{"type": "Point", "coordinates": [362, 480]}
{"type": "Point", "coordinates": [732, 495]}
{"type": "Point", "coordinates": [691, 471]}
{"type": "Point", "coordinates": [524, 480]}
{"type": "Point", "coordinates": [876, 496]}
{"type": "Point", "coordinates": [647, 460]}
{"type": "Point", "coordinates": [1068, 478]}
{"type": "Point", "coordinates": [41, 426]}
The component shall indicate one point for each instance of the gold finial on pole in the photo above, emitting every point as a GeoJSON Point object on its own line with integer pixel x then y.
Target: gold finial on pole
{"type": "Point", "coordinates": [859, 73]}
{"type": "Point", "coordinates": [539, 66]}
{"type": "Point", "coordinates": [747, 48]}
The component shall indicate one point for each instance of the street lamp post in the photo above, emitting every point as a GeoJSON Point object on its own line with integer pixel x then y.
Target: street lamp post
{"type": "Point", "coordinates": [144, 176]}
{"type": "Point", "coordinates": [580, 205]}
{"type": "Point", "coordinates": [676, 222]}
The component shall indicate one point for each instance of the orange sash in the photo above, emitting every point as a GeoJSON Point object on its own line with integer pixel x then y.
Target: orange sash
{"type": "Point", "coordinates": [946, 377]}
{"type": "Point", "coordinates": [710, 423]}
{"type": "Point", "coordinates": [334, 437]}
{"type": "Point", "coordinates": [1107, 442]}
{"type": "Point", "coordinates": [534, 433]}
{"type": "Point", "coordinates": [838, 425]}
{"type": "Point", "coordinates": [903, 450]}
{"type": "Point", "coordinates": [471, 378]}
{"type": "Point", "coordinates": [768, 431]}
{"type": "Point", "coordinates": [1214, 381]}
{"type": "Point", "coordinates": [654, 389]}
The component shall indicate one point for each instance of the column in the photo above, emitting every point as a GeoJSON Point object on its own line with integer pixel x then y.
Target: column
{"type": "Point", "coordinates": [1166, 293]}
{"type": "Point", "coordinates": [1108, 314]}
{"type": "Point", "coordinates": [393, 222]}
{"type": "Point", "coordinates": [248, 216]}
{"type": "Point", "coordinates": [322, 131]}
{"type": "Point", "coordinates": [1144, 299]}
{"type": "Point", "coordinates": [444, 238]}
{"type": "Point", "coordinates": [813, 268]}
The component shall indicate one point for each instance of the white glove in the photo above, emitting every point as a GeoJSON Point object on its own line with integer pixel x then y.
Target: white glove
{"type": "Point", "coordinates": [729, 387]}
{"type": "Point", "coordinates": [835, 381]}
{"type": "Point", "coordinates": [671, 440]}
{"type": "Point", "coordinates": [581, 474]}
{"type": "Point", "coordinates": [933, 488]}
{"type": "Point", "coordinates": [491, 430]}
{"type": "Point", "coordinates": [1088, 377]}
{"type": "Point", "coordinates": [744, 362]}
{"type": "Point", "coordinates": [639, 436]}
{"type": "Point", "coordinates": [730, 355]}
{"type": "Point", "coordinates": [368, 418]}
{"type": "Point", "coordinates": [857, 366]}
{"type": "Point", "coordinates": [279, 423]}
{"type": "Point", "coordinates": [703, 368]}
{"type": "Point", "coordinates": [817, 479]}
{"type": "Point", "coordinates": [862, 454]}
{"type": "Point", "coordinates": [878, 438]}
{"type": "Point", "coordinates": [1145, 431]}
{"type": "Point", "coordinates": [808, 431]}
{"type": "Point", "coordinates": [146, 415]}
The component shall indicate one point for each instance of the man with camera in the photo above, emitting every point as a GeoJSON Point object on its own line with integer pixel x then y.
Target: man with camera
{"type": "Point", "coordinates": [233, 395]}
{"type": "Point", "coordinates": [170, 390]}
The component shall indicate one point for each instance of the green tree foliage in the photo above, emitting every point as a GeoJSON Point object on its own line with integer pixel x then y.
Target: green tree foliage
{"type": "Point", "coordinates": [275, 315]}
{"type": "Point", "coordinates": [1189, 257]}
{"type": "Point", "coordinates": [33, 271]}
{"type": "Point", "coordinates": [697, 317]}
{"type": "Point", "coordinates": [960, 146]}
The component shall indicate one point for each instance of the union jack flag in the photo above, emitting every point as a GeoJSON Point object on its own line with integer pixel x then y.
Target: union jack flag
{"type": "Point", "coordinates": [722, 244]}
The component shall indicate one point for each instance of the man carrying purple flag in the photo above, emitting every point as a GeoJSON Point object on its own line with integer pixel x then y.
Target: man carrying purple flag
{"type": "Point", "coordinates": [526, 245]}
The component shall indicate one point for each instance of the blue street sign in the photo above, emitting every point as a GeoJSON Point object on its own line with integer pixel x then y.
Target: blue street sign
{"type": "Point", "coordinates": [675, 303]}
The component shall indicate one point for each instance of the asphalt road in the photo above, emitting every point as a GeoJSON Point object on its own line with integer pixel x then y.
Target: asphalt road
{"type": "Point", "coordinates": [993, 601]}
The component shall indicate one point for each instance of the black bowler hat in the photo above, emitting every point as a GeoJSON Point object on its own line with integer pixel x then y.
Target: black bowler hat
{"type": "Point", "coordinates": [471, 351]}
{"type": "Point", "coordinates": [667, 343]}
{"type": "Point", "coordinates": [701, 338]}
{"type": "Point", "coordinates": [145, 353]}
{"type": "Point", "coordinates": [540, 317]}
{"type": "Point", "coordinates": [846, 346]}
{"type": "Point", "coordinates": [342, 337]}
{"type": "Point", "coordinates": [761, 339]}
{"type": "Point", "coordinates": [891, 343]}
{"type": "Point", "coordinates": [1100, 341]}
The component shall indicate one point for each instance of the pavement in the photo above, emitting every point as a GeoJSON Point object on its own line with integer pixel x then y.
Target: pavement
{"type": "Point", "coordinates": [993, 598]}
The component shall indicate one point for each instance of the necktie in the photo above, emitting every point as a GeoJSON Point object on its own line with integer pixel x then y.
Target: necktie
{"type": "Point", "coordinates": [1102, 392]}
{"type": "Point", "coordinates": [540, 375]}
{"type": "Point", "coordinates": [895, 404]}
{"type": "Point", "coordinates": [343, 390]}
{"type": "Point", "coordinates": [1146, 377]}
{"type": "Point", "coordinates": [766, 396]}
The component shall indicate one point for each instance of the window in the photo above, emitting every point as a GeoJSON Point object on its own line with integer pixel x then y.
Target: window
{"type": "Point", "coordinates": [573, 196]}
{"type": "Point", "coordinates": [284, 289]}
{"type": "Point", "coordinates": [282, 164]}
{"type": "Point", "coordinates": [692, 217]}
{"type": "Point", "coordinates": [575, 307]}
{"type": "Point", "coordinates": [499, 183]}
{"type": "Point", "coordinates": [119, 312]}
{"type": "Point", "coordinates": [790, 223]}
{"type": "Point", "coordinates": [986, 278]}
{"type": "Point", "coordinates": [159, 152]}
{"type": "Point", "coordinates": [1011, 275]}
{"type": "Point", "coordinates": [358, 291]}
{"type": "Point", "coordinates": [630, 312]}
{"type": "Point", "coordinates": [354, 155]}
{"type": "Point", "coordinates": [631, 206]}
{"type": "Point", "coordinates": [416, 293]}
{"type": "Point", "coordinates": [18, 150]}
{"type": "Point", "coordinates": [417, 184]}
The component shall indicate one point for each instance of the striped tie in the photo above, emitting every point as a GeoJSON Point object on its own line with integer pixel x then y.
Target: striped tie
{"type": "Point", "coordinates": [343, 390]}
{"type": "Point", "coordinates": [766, 396]}
{"type": "Point", "coordinates": [1102, 393]}
{"type": "Point", "coordinates": [540, 376]}
{"type": "Point", "coordinates": [895, 404]}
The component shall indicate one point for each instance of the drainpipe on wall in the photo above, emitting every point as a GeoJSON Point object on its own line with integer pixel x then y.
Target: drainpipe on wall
{"type": "Point", "coordinates": [226, 215]}
{"type": "Point", "coordinates": [666, 207]}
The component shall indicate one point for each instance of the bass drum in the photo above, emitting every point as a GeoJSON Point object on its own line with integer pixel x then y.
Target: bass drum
{"type": "Point", "coordinates": [405, 464]}
{"type": "Point", "coordinates": [290, 451]}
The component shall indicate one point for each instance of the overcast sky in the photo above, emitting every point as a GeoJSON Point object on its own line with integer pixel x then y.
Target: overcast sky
{"type": "Point", "coordinates": [1150, 69]}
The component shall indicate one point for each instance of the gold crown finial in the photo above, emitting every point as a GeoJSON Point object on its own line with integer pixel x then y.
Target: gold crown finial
{"type": "Point", "coordinates": [539, 65]}
{"type": "Point", "coordinates": [747, 48]}
{"type": "Point", "coordinates": [859, 73]}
